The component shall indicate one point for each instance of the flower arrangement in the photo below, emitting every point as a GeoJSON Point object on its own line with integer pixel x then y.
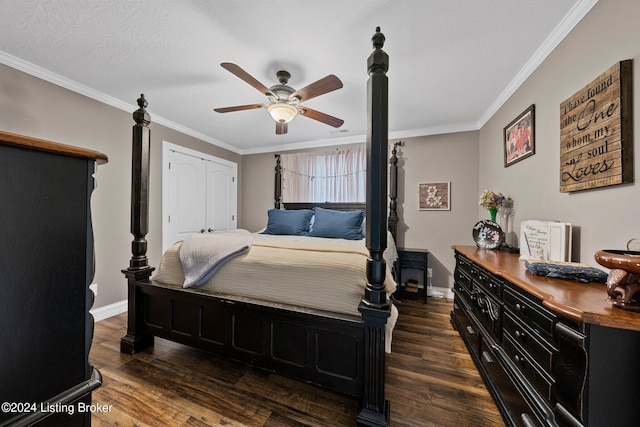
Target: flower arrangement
{"type": "Point", "coordinates": [491, 200]}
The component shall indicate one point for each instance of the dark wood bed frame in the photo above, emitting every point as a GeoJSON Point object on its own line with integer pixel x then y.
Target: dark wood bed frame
{"type": "Point", "coordinates": [342, 354]}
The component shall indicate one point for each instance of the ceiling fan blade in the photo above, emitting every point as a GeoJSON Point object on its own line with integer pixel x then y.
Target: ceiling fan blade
{"type": "Point", "coordinates": [321, 117]}
{"type": "Point", "coordinates": [281, 128]}
{"type": "Point", "coordinates": [320, 87]}
{"type": "Point", "coordinates": [238, 108]}
{"type": "Point", "coordinates": [242, 74]}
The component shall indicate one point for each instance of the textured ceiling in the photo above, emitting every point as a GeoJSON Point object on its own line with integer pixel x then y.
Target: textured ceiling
{"type": "Point", "coordinates": [452, 63]}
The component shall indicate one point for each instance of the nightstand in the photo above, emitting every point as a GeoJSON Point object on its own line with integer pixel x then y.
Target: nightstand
{"type": "Point", "coordinates": [411, 272]}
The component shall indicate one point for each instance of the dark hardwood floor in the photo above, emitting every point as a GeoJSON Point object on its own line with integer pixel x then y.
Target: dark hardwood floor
{"type": "Point", "coordinates": [431, 381]}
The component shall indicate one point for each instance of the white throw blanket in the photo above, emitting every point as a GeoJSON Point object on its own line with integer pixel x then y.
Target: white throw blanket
{"type": "Point", "coordinates": [202, 255]}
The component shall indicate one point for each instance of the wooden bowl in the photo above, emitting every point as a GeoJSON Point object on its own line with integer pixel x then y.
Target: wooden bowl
{"type": "Point", "coordinates": [619, 259]}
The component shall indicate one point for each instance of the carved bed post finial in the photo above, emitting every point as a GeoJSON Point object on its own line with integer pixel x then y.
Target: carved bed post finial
{"type": "Point", "coordinates": [375, 307]}
{"type": "Point", "coordinates": [140, 186]}
{"type": "Point", "coordinates": [278, 183]}
{"type": "Point", "coordinates": [139, 268]}
{"type": "Point", "coordinates": [378, 39]}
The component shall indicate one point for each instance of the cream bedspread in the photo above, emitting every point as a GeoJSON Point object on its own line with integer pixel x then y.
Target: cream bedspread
{"type": "Point", "coordinates": [308, 272]}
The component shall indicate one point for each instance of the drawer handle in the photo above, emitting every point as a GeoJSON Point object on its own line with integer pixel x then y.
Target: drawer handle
{"type": "Point", "coordinates": [487, 358]}
{"type": "Point", "coordinates": [517, 358]}
{"type": "Point", "coordinates": [520, 335]}
{"type": "Point", "coordinates": [470, 330]}
{"type": "Point", "coordinates": [520, 308]}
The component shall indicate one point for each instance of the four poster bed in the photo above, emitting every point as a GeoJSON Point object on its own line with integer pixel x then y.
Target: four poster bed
{"type": "Point", "coordinates": [321, 336]}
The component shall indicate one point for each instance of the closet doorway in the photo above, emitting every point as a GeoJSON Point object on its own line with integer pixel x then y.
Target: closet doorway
{"type": "Point", "coordinates": [199, 193]}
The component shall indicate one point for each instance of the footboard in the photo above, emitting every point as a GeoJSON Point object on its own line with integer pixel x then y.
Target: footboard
{"type": "Point", "coordinates": [320, 350]}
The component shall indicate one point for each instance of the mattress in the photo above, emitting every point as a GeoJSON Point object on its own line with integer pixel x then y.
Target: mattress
{"type": "Point", "coordinates": [322, 275]}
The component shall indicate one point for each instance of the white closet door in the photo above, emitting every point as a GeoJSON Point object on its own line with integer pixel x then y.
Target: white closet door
{"type": "Point", "coordinates": [186, 193]}
{"type": "Point", "coordinates": [221, 197]}
{"type": "Point", "coordinates": [199, 194]}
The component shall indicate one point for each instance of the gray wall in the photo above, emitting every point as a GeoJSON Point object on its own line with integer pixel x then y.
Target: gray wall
{"type": "Point", "coordinates": [603, 218]}
{"type": "Point", "coordinates": [454, 158]}
{"type": "Point", "coordinates": [257, 190]}
{"type": "Point", "coordinates": [34, 107]}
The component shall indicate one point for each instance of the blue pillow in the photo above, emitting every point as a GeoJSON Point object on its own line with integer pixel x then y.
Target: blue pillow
{"type": "Point", "coordinates": [337, 224]}
{"type": "Point", "coordinates": [294, 222]}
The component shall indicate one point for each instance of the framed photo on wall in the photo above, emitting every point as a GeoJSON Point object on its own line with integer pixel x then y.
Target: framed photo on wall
{"type": "Point", "coordinates": [519, 137]}
{"type": "Point", "coordinates": [434, 196]}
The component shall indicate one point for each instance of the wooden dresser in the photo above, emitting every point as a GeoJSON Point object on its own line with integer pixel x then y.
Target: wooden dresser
{"type": "Point", "coordinates": [551, 352]}
{"type": "Point", "coordinates": [46, 266]}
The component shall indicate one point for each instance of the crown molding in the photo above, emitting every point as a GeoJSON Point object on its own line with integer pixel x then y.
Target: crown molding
{"type": "Point", "coordinates": [568, 23]}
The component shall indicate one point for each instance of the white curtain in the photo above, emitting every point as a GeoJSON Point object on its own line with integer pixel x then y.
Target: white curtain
{"type": "Point", "coordinates": [328, 176]}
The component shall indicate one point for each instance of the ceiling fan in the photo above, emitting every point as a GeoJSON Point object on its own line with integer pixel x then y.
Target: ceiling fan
{"type": "Point", "coordinates": [284, 101]}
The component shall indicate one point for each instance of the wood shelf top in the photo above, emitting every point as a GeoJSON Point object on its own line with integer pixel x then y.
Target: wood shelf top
{"type": "Point", "coordinates": [583, 302]}
{"type": "Point", "coordinates": [8, 138]}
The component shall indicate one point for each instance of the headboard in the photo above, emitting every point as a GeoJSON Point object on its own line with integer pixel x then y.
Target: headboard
{"type": "Point", "coordinates": [355, 206]}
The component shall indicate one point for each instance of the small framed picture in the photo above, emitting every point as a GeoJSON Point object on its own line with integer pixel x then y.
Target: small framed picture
{"type": "Point", "coordinates": [434, 196]}
{"type": "Point", "coordinates": [519, 137]}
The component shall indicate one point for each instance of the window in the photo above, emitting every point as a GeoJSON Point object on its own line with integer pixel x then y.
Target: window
{"type": "Point", "coordinates": [329, 176]}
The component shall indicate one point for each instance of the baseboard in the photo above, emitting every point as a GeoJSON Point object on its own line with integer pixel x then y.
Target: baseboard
{"type": "Point", "coordinates": [437, 292]}
{"type": "Point", "coordinates": [109, 310]}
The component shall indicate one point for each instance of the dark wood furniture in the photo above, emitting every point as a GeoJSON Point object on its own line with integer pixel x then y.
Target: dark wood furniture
{"type": "Point", "coordinates": [415, 259]}
{"type": "Point", "coordinates": [552, 352]}
{"type": "Point", "coordinates": [46, 268]}
{"type": "Point", "coordinates": [342, 354]}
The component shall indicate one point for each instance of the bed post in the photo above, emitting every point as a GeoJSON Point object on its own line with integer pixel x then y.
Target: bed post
{"type": "Point", "coordinates": [277, 193]}
{"type": "Point", "coordinates": [139, 268]}
{"type": "Point", "coordinates": [393, 190]}
{"type": "Point", "coordinates": [374, 307]}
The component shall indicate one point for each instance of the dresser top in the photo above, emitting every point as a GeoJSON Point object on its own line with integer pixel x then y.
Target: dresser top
{"type": "Point", "coordinates": [583, 302]}
{"type": "Point", "coordinates": [7, 138]}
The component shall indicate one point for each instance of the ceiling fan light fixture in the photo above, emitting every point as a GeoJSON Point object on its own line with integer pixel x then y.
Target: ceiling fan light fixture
{"type": "Point", "coordinates": [282, 112]}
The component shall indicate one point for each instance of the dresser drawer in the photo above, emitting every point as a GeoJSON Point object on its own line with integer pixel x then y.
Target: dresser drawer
{"type": "Point", "coordinates": [463, 293]}
{"type": "Point", "coordinates": [466, 328]}
{"type": "Point", "coordinates": [540, 350]}
{"type": "Point", "coordinates": [520, 412]}
{"type": "Point", "coordinates": [462, 280]}
{"type": "Point", "coordinates": [494, 285]}
{"type": "Point", "coordinates": [530, 313]}
{"type": "Point", "coordinates": [479, 275]}
{"type": "Point", "coordinates": [488, 309]}
{"type": "Point", "coordinates": [462, 263]}
{"type": "Point", "coordinates": [540, 380]}
{"type": "Point", "coordinates": [409, 256]}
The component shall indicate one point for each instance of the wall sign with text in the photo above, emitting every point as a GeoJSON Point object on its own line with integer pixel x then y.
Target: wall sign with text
{"type": "Point", "coordinates": [596, 132]}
